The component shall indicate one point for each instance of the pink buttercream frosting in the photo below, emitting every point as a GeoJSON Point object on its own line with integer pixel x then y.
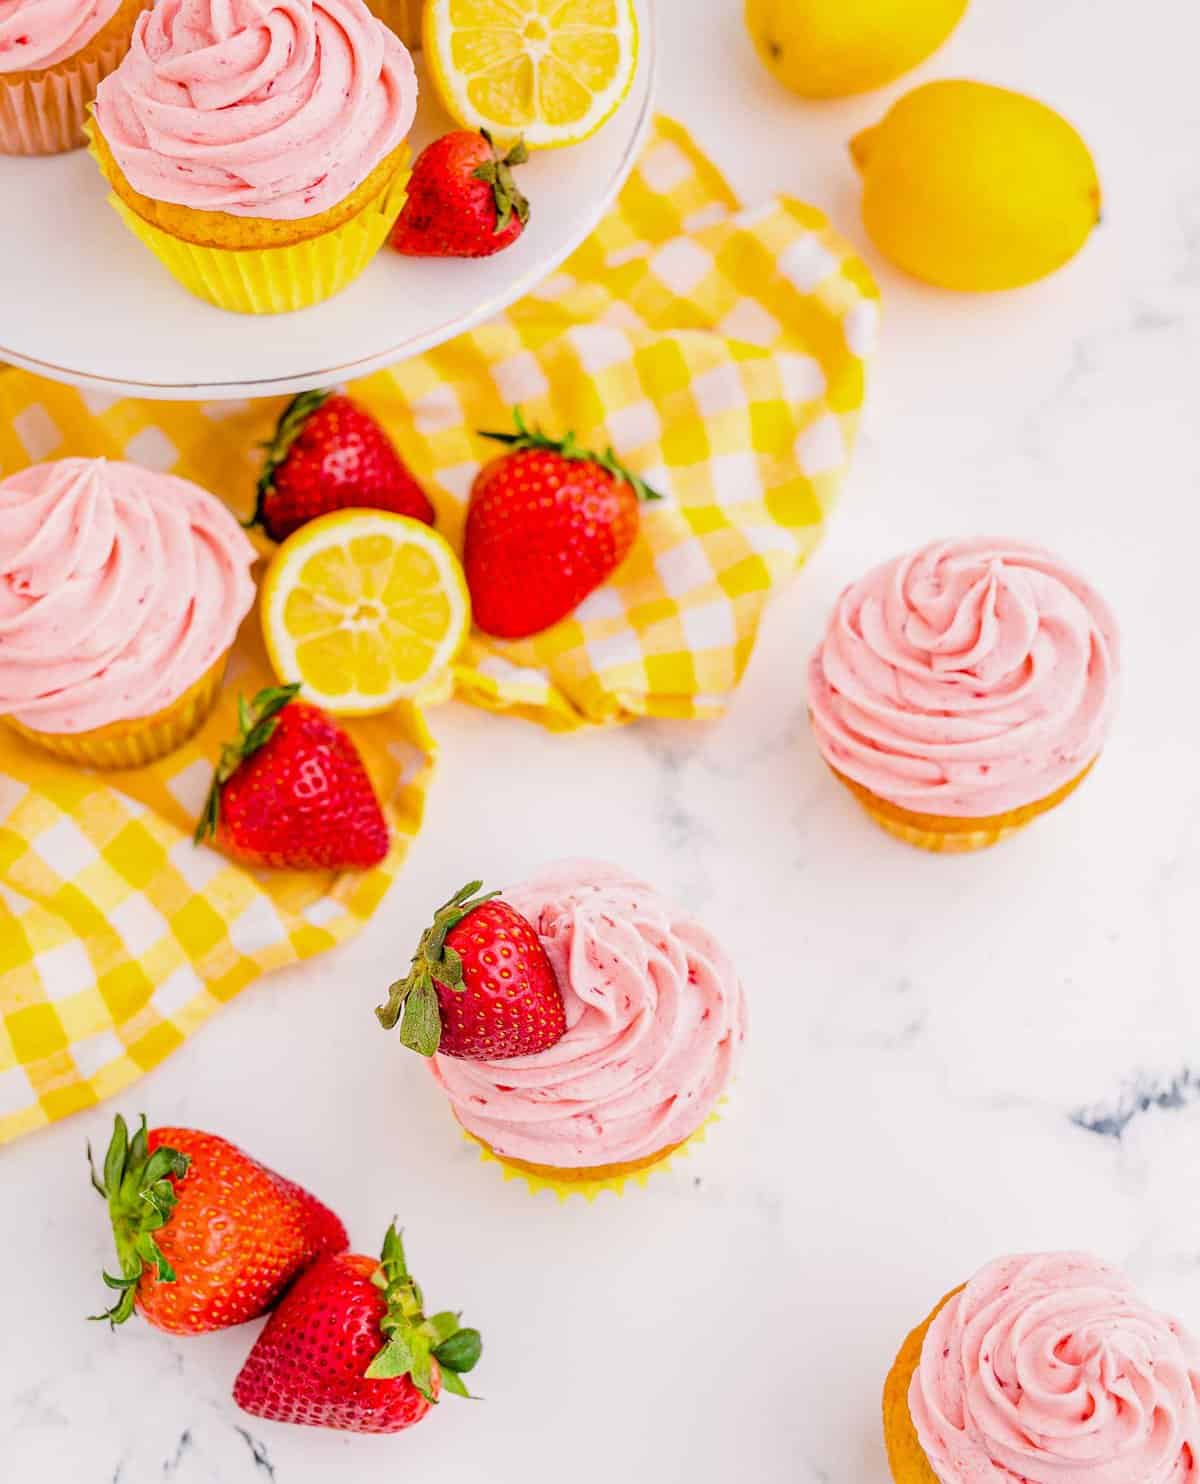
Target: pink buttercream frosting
{"type": "Point", "coordinates": [119, 589]}
{"type": "Point", "coordinates": [965, 679]}
{"type": "Point", "coordinates": [655, 1022]}
{"type": "Point", "coordinates": [41, 33]}
{"type": "Point", "coordinates": [1050, 1370]}
{"type": "Point", "coordinates": [277, 109]}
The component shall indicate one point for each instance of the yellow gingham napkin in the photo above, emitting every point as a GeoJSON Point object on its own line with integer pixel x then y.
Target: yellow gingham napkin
{"type": "Point", "coordinates": [721, 352]}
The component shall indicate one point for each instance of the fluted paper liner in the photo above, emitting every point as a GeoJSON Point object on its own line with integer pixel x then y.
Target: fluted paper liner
{"type": "Point", "coordinates": [274, 280]}
{"type": "Point", "coordinates": [947, 834]}
{"type": "Point", "coordinates": [43, 113]}
{"type": "Point", "coordinates": [132, 744]}
{"type": "Point", "coordinates": [591, 1182]}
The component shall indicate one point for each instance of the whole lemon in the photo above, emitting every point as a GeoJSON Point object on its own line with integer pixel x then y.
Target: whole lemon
{"type": "Point", "coordinates": [829, 48]}
{"type": "Point", "coordinates": [974, 187]}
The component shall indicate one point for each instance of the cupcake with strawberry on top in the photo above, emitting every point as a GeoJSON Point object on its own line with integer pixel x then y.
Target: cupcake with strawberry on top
{"type": "Point", "coordinates": [963, 689]}
{"type": "Point", "coordinates": [583, 1028]}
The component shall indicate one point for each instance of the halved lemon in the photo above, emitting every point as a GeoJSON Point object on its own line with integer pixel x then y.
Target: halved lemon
{"type": "Point", "coordinates": [549, 71]}
{"type": "Point", "coordinates": [364, 609]}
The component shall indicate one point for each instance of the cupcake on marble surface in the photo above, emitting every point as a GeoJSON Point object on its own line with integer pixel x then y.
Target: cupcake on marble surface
{"type": "Point", "coordinates": [53, 55]}
{"type": "Point", "coordinates": [121, 592]}
{"type": "Point", "coordinates": [1045, 1369]}
{"type": "Point", "coordinates": [593, 1031]}
{"type": "Point", "coordinates": [963, 689]}
{"type": "Point", "coordinates": [257, 146]}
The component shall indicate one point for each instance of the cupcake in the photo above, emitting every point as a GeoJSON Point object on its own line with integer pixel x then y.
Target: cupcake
{"type": "Point", "coordinates": [1045, 1370]}
{"type": "Point", "coordinates": [121, 592]}
{"type": "Point", "coordinates": [964, 689]}
{"type": "Point", "coordinates": [257, 146]}
{"type": "Point", "coordinates": [588, 1028]}
{"type": "Point", "coordinates": [53, 54]}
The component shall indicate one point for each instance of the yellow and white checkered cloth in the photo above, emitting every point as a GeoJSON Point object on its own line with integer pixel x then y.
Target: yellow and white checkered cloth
{"type": "Point", "coordinates": [721, 352]}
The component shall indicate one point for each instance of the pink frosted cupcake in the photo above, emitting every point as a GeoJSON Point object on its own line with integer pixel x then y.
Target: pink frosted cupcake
{"type": "Point", "coordinates": [637, 1053]}
{"type": "Point", "coordinates": [121, 592]}
{"type": "Point", "coordinates": [963, 689]}
{"type": "Point", "coordinates": [53, 55]}
{"type": "Point", "coordinates": [1045, 1369]}
{"type": "Point", "coordinates": [257, 147]}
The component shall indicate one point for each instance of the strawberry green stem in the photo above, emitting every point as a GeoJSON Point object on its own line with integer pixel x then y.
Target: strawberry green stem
{"type": "Point", "coordinates": [413, 1343]}
{"type": "Point", "coordinates": [497, 172]}
{"type": "Point", "coordinates": [287, 430]}
{"type": "Point", "coordinates": [257, 721]}
{"type": "Point", "coordinates": [137, 1186]}
{"type": "Point", "coordinates": [526, 438]}
{"type": "Point", "coordinates": [412, 1001]}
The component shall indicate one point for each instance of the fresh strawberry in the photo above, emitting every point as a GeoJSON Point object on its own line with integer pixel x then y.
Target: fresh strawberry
{"type": "Point", "coordinates": [462, 199]}
{"type": "Point", "coordinates": [328, 453]}
{"type": "Point", "coordinates": [292, 791]}
{"type": "Point", "coordinates": [547, 523]}
{"type": "Point", "coordinates": [349, 1347]}
{"type": "Point", "coordinates": [206, 1236]}
{"type": "Point", "coordinates": [480, 986]}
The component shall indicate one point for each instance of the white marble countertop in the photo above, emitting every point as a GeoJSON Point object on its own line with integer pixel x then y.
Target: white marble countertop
{"type": "Point", "coordinates": [948, 1059]}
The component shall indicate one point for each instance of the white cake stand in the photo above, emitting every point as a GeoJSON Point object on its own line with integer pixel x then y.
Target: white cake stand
{"type": "Point", "coordinates": [82, 301]}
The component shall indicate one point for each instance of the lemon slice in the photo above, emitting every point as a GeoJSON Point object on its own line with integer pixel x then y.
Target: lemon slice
{"type": "Point", "coordinates": [550, 71]}
{"type": "Point", "coordinates": [364, 609]}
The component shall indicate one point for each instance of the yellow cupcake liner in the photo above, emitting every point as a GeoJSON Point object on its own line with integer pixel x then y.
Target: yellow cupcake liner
{"type": "Point", "coordinates": [401, 16]}
{"type": "Point", "coordinates": [275, 280]}
{"type": "Point", "coordinates": [906, 1457]}
{"type": "Point", "coordinates": [43, 112]}
{"type": "Point", "coordinates": [592, 1182]}
{"type": "Point", "coordinates": [132, 744]}
{"type": "Point", "coordinates": [946, 834]}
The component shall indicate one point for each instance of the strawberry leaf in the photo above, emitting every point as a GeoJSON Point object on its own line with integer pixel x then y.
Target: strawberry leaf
{"type": "Point", "coordinates": [257, 721]}
{"type": "Point", "coordinates": [568, 447]}
{"type": "Point", "coordinates": [395, 1359]}
{"type": "Point", "coordinates": [410, 1338]}
{"type": "Point", "coordinates": [141, 1199]}
{"type": "Point", "coordinates": [453, 1382]}
{"type": "Point", "coordinates": [461, 1350]}
{"type": "Point", "coordinates": [412, 1001]}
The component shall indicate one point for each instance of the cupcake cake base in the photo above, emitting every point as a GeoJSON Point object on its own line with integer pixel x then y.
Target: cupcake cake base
{"type": "Point", "coordinates": [906, 1457]}
{"type": "Point", "coordinates": [132, 744]}
{"type": "Point", "coordinates": [946, 834]}
{"type": "Point", "coordinates": [588, 1181]}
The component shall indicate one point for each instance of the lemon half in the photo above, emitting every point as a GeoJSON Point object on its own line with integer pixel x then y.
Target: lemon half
{"type": "Point", "coordinates": [364, 609]}
{"type": "Point", "coordinates": [548, 71]}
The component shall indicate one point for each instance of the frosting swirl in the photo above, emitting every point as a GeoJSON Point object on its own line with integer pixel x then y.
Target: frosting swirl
{"type": "Point", "coordinates": [119, 589]}
{"type": "Point", "coordinates": [1050, 1370]}
{"type": "Point", "coordinates": [277, 109]}
{"type": "Point", "coordinates": [965, 679]}
{"type": "Point", "coordinates": [41, 33]}
{"type": "Point", "coordinates": [655, 1020]}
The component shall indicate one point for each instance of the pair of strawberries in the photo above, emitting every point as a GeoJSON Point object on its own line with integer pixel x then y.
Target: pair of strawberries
{"type": "Point", "coordinates": [208, 1238]}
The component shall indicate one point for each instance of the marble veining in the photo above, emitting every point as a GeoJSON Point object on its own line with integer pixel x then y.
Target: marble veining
{"type": "Point", "coordinates": [947, 1059]}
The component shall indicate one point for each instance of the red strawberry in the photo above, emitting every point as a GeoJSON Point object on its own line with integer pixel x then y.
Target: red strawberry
{"type": "Point", "coordinates": [206, 1236]}
{"type": "Point", "coordinates": [547, 523]}
{"type": "Point", "coordinates": [481, 985]}
{"type": "Point", "coordinates": [349, 1347]}
{"type": "Point", "coordinates": [462, 199]}
{"type": "Point", "coordinates": [328, 453]}
{"type": "Point", "coordinates": [292, 791]}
